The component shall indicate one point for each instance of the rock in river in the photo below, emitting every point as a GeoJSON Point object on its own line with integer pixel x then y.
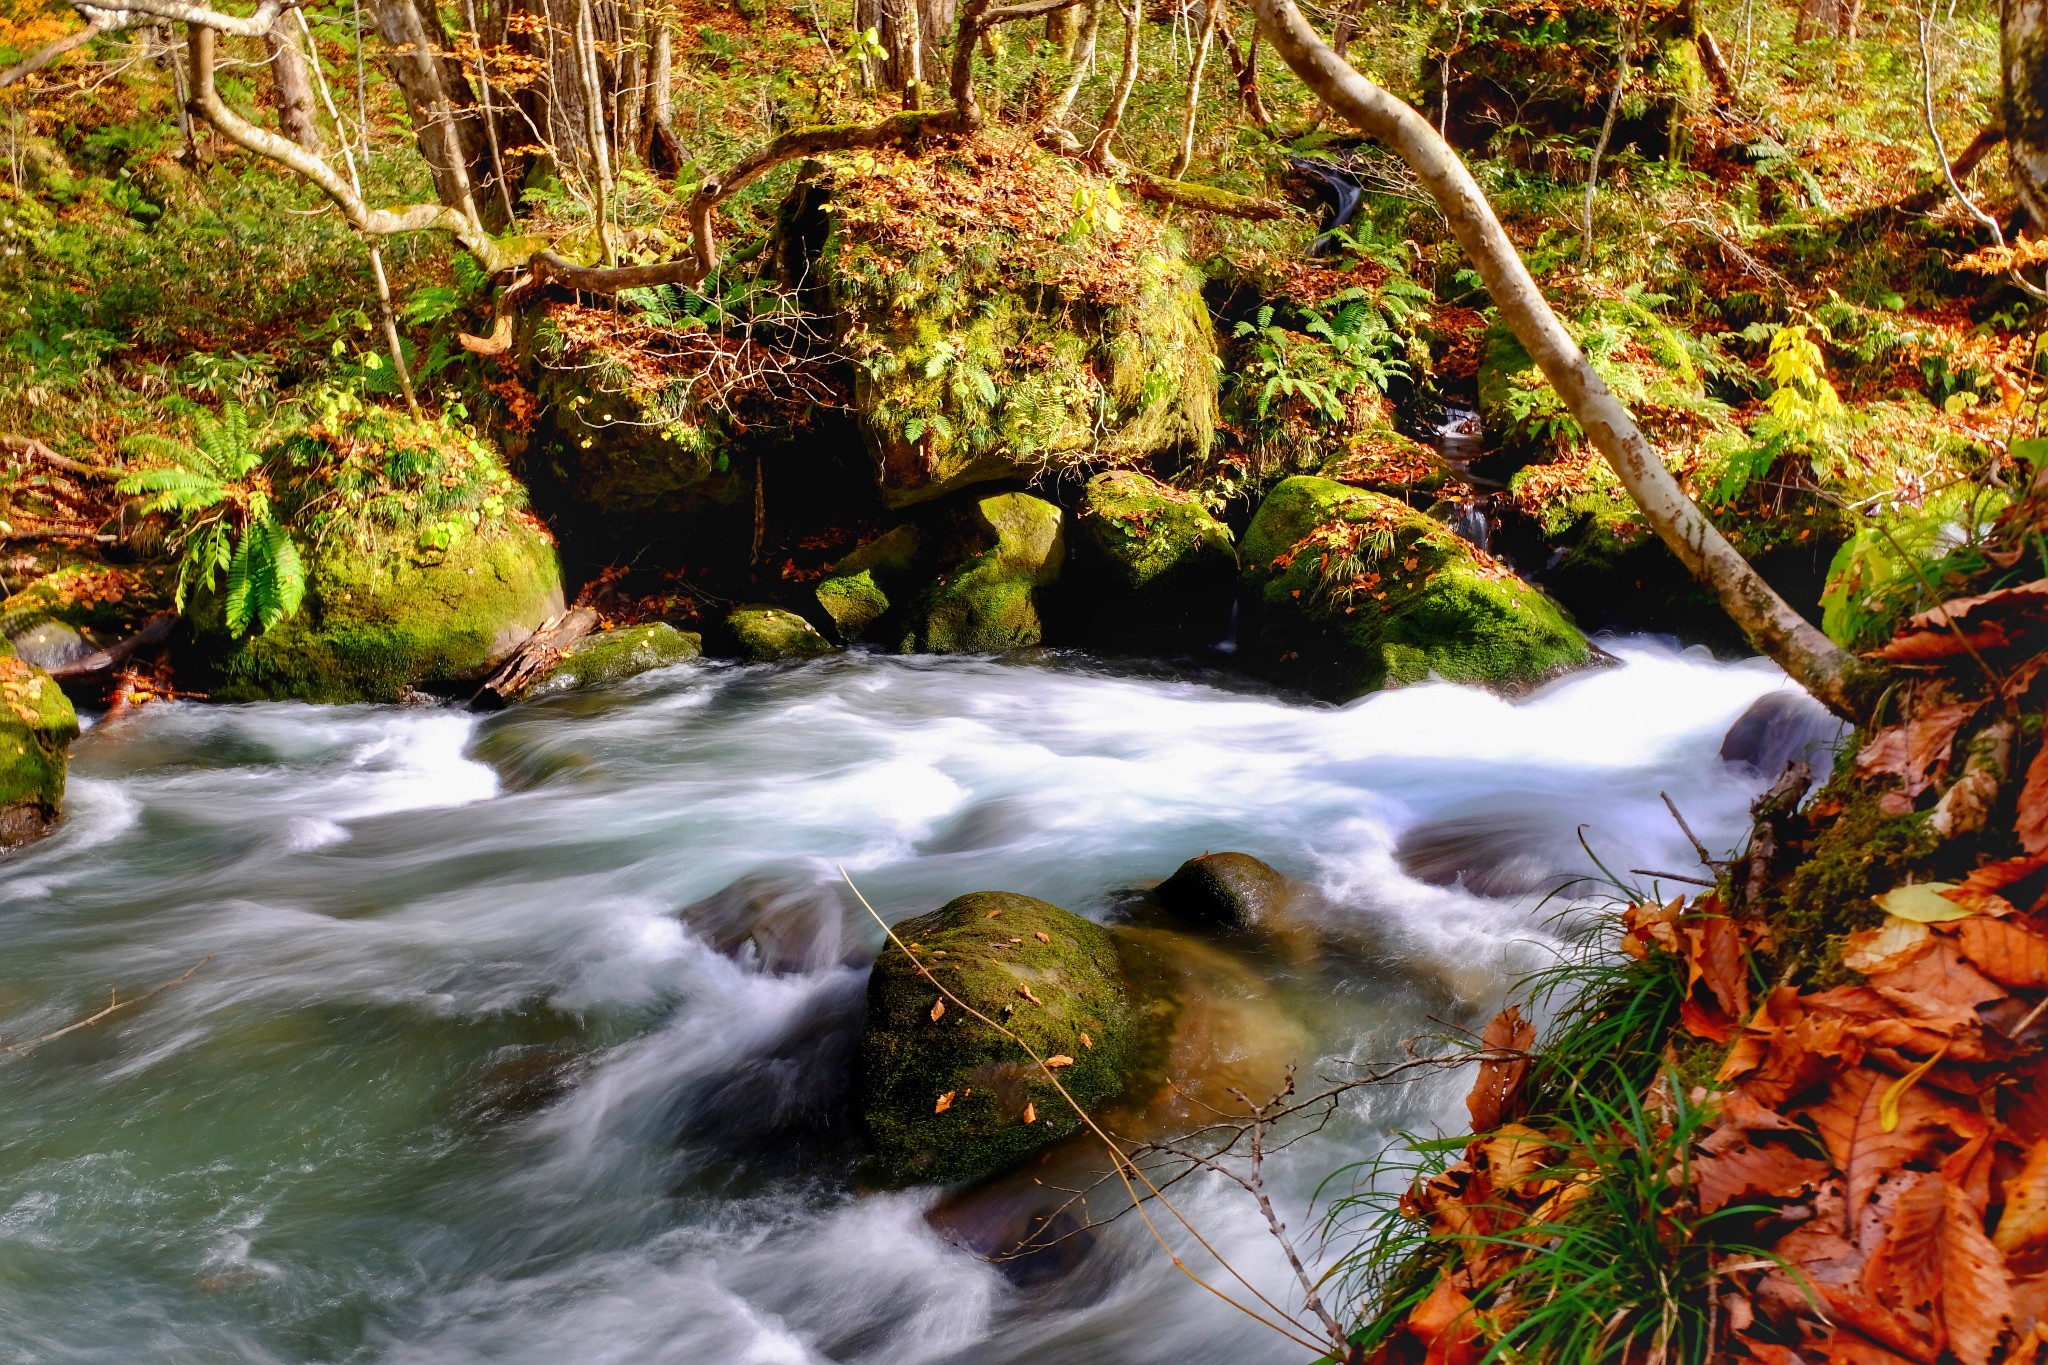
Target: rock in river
{"type": "Point", "coordinates": [947, 1097]}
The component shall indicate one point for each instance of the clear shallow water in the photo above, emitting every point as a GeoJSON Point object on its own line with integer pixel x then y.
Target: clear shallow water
{"type": "Point", "coordinates": [459, 1084]}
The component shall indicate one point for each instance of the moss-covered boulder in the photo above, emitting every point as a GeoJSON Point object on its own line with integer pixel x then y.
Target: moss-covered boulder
{"type": "Point", "coordinates": [1065, 330]}
{"type": "Point", "coordinates": [377, 621]}
{"type": "Point", "coordinates": [1347, 591]}
{"type": "Point", "coordinates": [767, 635]}
{"type": "Point", "coordinates": [857, 592]}
{"type": "Point", "coordinates": [1006, 551]}
{"type": "Point", "coordinates": [98, 603]}
{"type": "Point", "coordinates": [946, 1097]}
{"type": "Point", "coordinates": [1153, 569]}
{"type": "Point", "coordinates": [615, 655]}
{"type": "Point", "coordinates": [37, 726]}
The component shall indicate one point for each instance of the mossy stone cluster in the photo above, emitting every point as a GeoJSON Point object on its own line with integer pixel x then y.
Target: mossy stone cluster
{"type": "Point", "coordinates": [976, 578]}
{"type": "Point", "coordinates": [1347, 591]}
{"type": "Point", "coordinates": [765, 635]}
{"type": "Point", "coordinates": [379, 620]}
{"type": "Point", "coordinates": [1226, 890]}
{"type": "Point", "coordinates": [1061, 332]}
{"type": "Point", "coordinates": [615, 655]}
{"type": "Point", "coordinates": [37, 725]}
{"type": "Point", "coordinates": [949, 1097]}
{"type": "Point", "coordinates": [1154, 569]}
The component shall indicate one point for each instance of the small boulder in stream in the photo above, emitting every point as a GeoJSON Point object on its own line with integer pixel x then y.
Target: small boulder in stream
{"type": "Point", "coordinates": [767, 635]}
{"type": "Point", "coordinates": [947, 1097]}
{"type": "Point", "coordinates": [1157, 570]}
{"type": "Point", "coordinates": [37, 726]}
{"type": "Point", "coordinates": [615, 655]}
{"type": "Point", "coordinates": [1347, 592]}
{"type": "Point", "coordinates": [1228, 890]}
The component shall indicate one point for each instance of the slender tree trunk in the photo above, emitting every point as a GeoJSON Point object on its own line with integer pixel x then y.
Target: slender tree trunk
{"type": "Point", "coordinates": [1134, 17]}
{"type": "Point", "coordinates": [1194, 101]}
{"type": "Point", "coordinates": [2023, 37]}
{"type": "Point", "coordinates": [1621, 74]}
{"type": "Point", "coordinates": [1055, 119]}
{"type": "Point", "coordinates": [664, 147]}
{"type": "Point", "coordinates": [1063, 31]}
{"type": "Point", "coordinates": [1833, 675]}
{"type": "Point", "coordinates": [294, 89]}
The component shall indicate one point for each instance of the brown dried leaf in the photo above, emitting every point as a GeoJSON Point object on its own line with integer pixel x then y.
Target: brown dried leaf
{"type": "Point", "coordinates": [1030, 1112]}
{"type": "Point", "coordinates": [1086, 1041]}
{"type": "Point", "coordinates": [1445, 1327]}
{"type": "Point", "coordinates": [1759, 1171]}
{"type": "Point", "coordinates": [1937, 1260]}
{"type": "Point", "coordinates": [1025, 991]}
{"type": "Point", "coordinates": [945, 1102]}
{"type": "Point", "coordinates": [1058, 1060]}
{"type": "Point", "coordinates": [1496, 1094]}
{"type": "Point", "coordinates": [1993, 621]}
{"type": "Point", "coordinates": [1917, 747]}
{"type": "Point", "coordinates": [938, 1009]}
{"type": "Point", "coordinates": [1043, 937]}
{"type": "Point", "coordinates": [1886, 947]}
{"type": "Point", "coordinates": [2023, 1227]}
{"type": "Point", "coordinates": [2006, 951]}
{"type": "Point", "coordinates": [2032, 822]}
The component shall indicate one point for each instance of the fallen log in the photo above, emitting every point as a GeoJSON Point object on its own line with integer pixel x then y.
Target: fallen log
{"type": "Point", "coordinates": [529, 663]}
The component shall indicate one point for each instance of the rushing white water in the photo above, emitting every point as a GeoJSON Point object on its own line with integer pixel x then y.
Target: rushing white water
{"type": "Point", "coordinates": [459, 1084]}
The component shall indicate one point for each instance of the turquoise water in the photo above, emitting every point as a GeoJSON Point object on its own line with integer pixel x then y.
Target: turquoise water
{"type": "Point", "coordinates": [460, 1083]}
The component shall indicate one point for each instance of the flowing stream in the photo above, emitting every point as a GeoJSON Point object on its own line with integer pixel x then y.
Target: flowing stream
{"type": "Point", "coordinates": [460, 1081]}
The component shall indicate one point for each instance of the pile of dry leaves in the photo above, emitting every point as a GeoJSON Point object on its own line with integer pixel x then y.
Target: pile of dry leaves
{"type": "Point", "coordinates": [1876, 1133]}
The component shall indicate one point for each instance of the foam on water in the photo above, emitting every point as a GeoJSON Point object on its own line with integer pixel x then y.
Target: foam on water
{"type": "Point", "coordinates": [458, 1084]}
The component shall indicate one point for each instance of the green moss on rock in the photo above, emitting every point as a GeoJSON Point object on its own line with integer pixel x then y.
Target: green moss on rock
{"type": "Point", "coordinates": [615, 655]}
{"type": "Point", "coordinates": [1155, 568]}
{"type": "Point", "coordinates": [947, 1098]}
{"type": "Point", "coordinates": [856, 593]}
{"type": "Point", "coordinates": [37, 725]}
{"type": "Point", "coordinates": [1067, 331]}
{"type": "Point", "coordinates": [773, 635]}
{"type": "Point", "coordinates": [1009, 549]}
{"type": "Point", "coordinates": [380, 620]}
{"type": "Point", "coordinates": [1348, 591]}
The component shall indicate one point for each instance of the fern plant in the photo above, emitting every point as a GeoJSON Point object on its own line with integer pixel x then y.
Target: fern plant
{"type": "Point", "coordinates": [215, 489]}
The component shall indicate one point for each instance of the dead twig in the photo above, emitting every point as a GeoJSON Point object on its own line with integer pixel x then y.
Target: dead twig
{"type": "Point", "coordinates": [115, 1004]}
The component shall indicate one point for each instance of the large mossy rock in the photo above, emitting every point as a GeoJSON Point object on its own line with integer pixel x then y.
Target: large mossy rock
{"type": "Point", "coordinates": [615, 655]}
{"type": "Point", "coordinates": [1005, 313]}
{"type": "Point", "coordinates": [990, 594]}
{"type": "Point", "coordinates": [1153, 568]}
{"type": "Point", "coordinates": [976, 577]}
{"type": "Point", "coordinates": [377, 622]}
{"type": "Point", "coordinates": [945, 1096]}
{"type": "Point", "coordinates": [1348, 591]}
{"type": "Point", "coordinates": [37, 726]}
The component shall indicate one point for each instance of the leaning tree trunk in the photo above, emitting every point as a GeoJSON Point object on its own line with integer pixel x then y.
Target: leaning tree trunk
{"type": "Point", "coordinates": [1833, 675]}
{"type": "Point", "coordinates": [2023, 29]}
{"type": "Point", "coordinates": [294, 86]}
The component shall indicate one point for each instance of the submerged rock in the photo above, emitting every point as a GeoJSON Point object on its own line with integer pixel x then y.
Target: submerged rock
{"type": "Point", "coordinates": [51, 644]}
{"type": "Point", "coordinates": [379, 622]}
{"type": "Point", "coordinates": [1348, 591]}
{"type": "Point", "coordinates": [1157, 570]}
{"type": "Point", "coordinates": [37, 726]}
{"type": "Point", "coordinates": [615, 655]}
{"type": "Point", "coordinates": [780, 924]}
{"type": "Point", "coordinates": [1781, 728]}
{"type": "Point", "coordinates": [947, 1097]}
{"type": "Point", "coordinates": [1232, 890]}
{"type": "Point", "coordinates": [771, 635]}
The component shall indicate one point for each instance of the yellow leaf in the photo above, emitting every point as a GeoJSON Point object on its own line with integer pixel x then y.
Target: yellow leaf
{"type": "Point", "coordinates": [1086, 1041]}
{"type": "Point", "coordinates": [945, 1102]}
{"type": "Point", "coordinates": [1030, 1114]}
{"type": "Point", "coordinates": [938, 1008]}
{"type": "Point", "coordinates": [1923, 903]}
{"type": "Point", "coordinates": [1873, 950]}
{"type": "Point", "coordinates": [1058, 1060]}
{"type": "Point", "coordinates": [1044, 937]}
{"type": "Point", "coordinates": [1888, 1103]}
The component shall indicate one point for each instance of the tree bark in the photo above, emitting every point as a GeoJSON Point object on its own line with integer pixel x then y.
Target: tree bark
{"type": "Point", "coordinates": [294, 87]}
{"type": "Point", "coordinates": [1841, 681]}
{"type": "Point", "coordinates": [1186, 153]}
{"type": "Point", "coordinates": [665, 149]}
{"type": "Point", "coordinates": [1134, 17]}
{"type": "Point", "coordinates": [2023, 44]}
{"type": "Point", "coordinates": [421, 67]}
